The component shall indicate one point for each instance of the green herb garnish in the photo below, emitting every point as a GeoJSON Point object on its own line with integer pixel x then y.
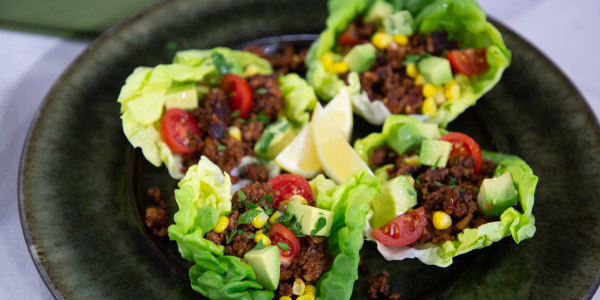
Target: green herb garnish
{"type": "Point", "coordinates": [437, 183]}
{"type": "Point", "coordinates": [283, 246]}
{"type": "Point", "coordinates": [220, 62]}
{"type": "Point", "coordinates": [235, 113]}
{"type": "Point", "coordinates": [230, 236]}
{"type": "Point", "coordinates": [259, 245]}
{"type": "Point", "coordinates": [261, 91]}
{"type": "Point", "coordinates": [248, 216]}
{"type": "Point", "coordinates": [452, 181]}
{"type": "Point", "coordinates": [321, 222]}
{"type": "Point", "coordinates": [221, 147]}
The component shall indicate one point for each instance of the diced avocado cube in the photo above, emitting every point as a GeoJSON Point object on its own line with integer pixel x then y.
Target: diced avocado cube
{"type": "Point", "coordinates": [379, 10]}
{"type": "Point", "coordinates": [497, 194]}
{"type": "Point", "coordinates": [361, 57]}
{"type": "Point", "coordinates": [435, 70]}
{"type": "Point", "coordinates": [400, 22]}
{"type": "Point", "coordinates": [408, 136]}
{"type": "Point", "coordinates": [435, 153]}
{"type": "Point", "coordinates": [274, 138]}
{"type": "Point", "coordinates": [266, 265]}
{"type": "Point", "coordinates": [382, 172]}
{"type": "Point", "coordinates": [398, 195]}
{"type": "Point", "coordinates": [310, 218]}
{"type": "Point", "coordinates": [184, 96]}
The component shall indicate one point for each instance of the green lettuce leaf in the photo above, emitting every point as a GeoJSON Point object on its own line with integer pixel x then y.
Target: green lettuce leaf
{"type": "Point", "coordinates": [142, 97]}
{"type": "Point", "coordinates": [464, 20]}
{"type": "Point", "coordinates": [299, 98]}
{"type": "Point", "coordinates": [204, 195]}
{"type": "Point", "coordinates": [349, 203]}
{"type": "Point", "coordinates": [518, 224]}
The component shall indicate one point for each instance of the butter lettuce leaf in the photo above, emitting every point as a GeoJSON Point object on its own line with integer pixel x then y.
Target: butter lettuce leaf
{"type": "Point", "coordinates": [299, 97]}
{"type": "Point", "coordinates": [519, 224]}
{"type": "Point", "coordinates": [464, 20]}
{"type": "Point", "coordinates": [204, 195]}
{"type": "Point", "coordinates": [142, 98]}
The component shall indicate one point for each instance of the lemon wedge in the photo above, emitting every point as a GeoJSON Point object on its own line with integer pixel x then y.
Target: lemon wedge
{"type": "Point", "coordinates": [338, 159]}
{"type": "Point", "coordinates": [299, 157]}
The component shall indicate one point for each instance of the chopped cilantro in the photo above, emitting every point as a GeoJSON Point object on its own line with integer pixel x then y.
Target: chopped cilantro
{"type": "Point", "coordinates": [230, 236]}
{"type": "Point", "coordinates": [250, 236]}
{"type": "Point", "coordinates": [241, 196]}
{"type": "Point", "coordinates": [284, 218]}
{"type": "Point", "coordinates": [268, 198]}
{"type": "Point", "coordinates": [418, 182]}
{"type": "Point", "coordinates": [248, 216]}
{"type": "Point", "coordinates": [411, 192]}
{"type": "Point", "coordinates": [262, 118]}
{"type": "Point", "coordinates": [436, 162]}
{"type": "Point", "coordinates": [321, 222]}
{"type": "Point", "coordinates": [259, 245]}
{"type": "Point", "coordinates": [235, 113]}
{"type": "Point", "coordinates": [268, 211]}
{"type": "Point", "coordinates": [250, 205]}
{"type": "Point", "coordinates": [221, 147]}
{"type": "Point", "coordinates": [437, 183]}
{"type": "Point", "coordinates": [261, 91]}
{"type": "Point", "coordinates": [220, 62]}
{"type": "Point", "coordinates": [452, 181]}
{"type": "Point", "coordinates": [283, 246]}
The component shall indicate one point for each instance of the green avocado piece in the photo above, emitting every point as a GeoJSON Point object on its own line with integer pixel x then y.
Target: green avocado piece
{"type": "Point", "coordinates": [266, 265]}
{"type": "Point", "coordinates": [435, 153]}
{"type": "Point", "coordinates": [310, 217]}
{"type": "Point", "coordinates": [409, 136]}
{"type": "Point", "coordinates": [184, 96]}
{"type": "Point", "coordinates": [398, 195]}
{"type": "Point", "coordinates": [435, 70]}
{"type": "Point", "coordinates": [274, 138]}
{"type": "Point", "coordinates": [379, 10]}
{"type": "Point", "coordinates": [361, 57]}
{"type": "Point", "coordinates": [497, 194]}
{"type": "Point", "coordinates": [400, 22]}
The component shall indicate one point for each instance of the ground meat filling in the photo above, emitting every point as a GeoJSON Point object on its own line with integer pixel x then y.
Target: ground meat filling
{"type": "Point", "coordinates": [214, 118]}
{"type": "Point", "coordinates": [312, 261]}
{"type": "Point", "coordinates": [386, 80]}
{"type": "Point", "coordinates": [157, 217]}
{"type": "Point", "coordinates": [287, 59]}
{"type": "Point", "coordinates": [452, 189]}
{"type": "Point", "coordinates": [380, 287]}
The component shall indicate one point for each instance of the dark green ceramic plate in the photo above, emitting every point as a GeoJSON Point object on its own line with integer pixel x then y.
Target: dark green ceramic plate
{"type": "Point", "coordinates": [82, 186]}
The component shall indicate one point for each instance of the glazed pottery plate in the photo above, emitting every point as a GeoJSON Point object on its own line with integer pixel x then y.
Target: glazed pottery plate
{"type": "Point", "coordinates": [82, 186]}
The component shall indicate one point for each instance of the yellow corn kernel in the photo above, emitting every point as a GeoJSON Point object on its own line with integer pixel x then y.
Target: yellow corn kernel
{"type": "Point", "coordinates": [250, 70]}
{"type": "Point", "coordinates": [235, 132]}
{"type": "Point", "coordinates": [285, 298]}
{"type": "Point", "coordinates": [339, 67]}
{"type": "Point", "coordinates": [327, 60]}
{"type": "Point", "coordinates": [411, 160]}
{"type": "Point", "coordinates": [222, 224]}
{"type": "Point", "coordinates": [420, 79]}
{"type": "Point", "coordinates": [411, 70]}
{"type": "Point", "coordinates": [428, 90]}
{"type": "Point", "coordinates": [381, 40]}
{"type": "Point", "coordinates": [400, 39]}
{"type": "Point", "coordinates": [306, 297]}
{"type": "Point", "coordinates": [260, 220]}
{"type": "Point", "coordinates": [451, 90]}
{"type": "Point", "coordinates": [429, 107]}
{"type": "Point", "coordinates": [274, 216]}
{"type": "Point", "coordinates": [298, 287]}
{"type": "Point", "coordinates": [441, 220]}
{"type": "Point", "coordinates": [439, 96]}
{"type": "Point", "coordinates": [310, 289]}
{"type": "Point", "coordinates": [266, 241]}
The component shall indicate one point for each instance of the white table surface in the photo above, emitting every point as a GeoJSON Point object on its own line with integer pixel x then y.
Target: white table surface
{"type": "Point", "coordinates": [567, 32]}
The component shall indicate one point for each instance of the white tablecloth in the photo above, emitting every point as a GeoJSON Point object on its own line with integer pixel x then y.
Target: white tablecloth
{"type": "Point", "coordinates": [568, 33]}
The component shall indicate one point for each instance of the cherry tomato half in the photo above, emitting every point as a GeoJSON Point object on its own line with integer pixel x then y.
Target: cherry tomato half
{"type": "Point", "coordinates": [287, 185]}
{"type": "Point", "coordinates": [464, 145]}
{"type": "Point", "coordinates": [240, 93]}
{"type": "Point", "coordinates": [402, 230]}
{"type": "Point", "coordinates": [178, 127]}
{"type": "Point", "coordinates": [280, 234]}
{"type": "Point", "coordinates": [349, 37]}
{"type": "Point", "coordinates": [468, 61]}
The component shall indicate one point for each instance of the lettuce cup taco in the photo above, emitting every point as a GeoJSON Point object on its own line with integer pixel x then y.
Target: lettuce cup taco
{"type": "Point", "coordinates": [285, 237]}
{"type": "Point", "coordinates": [225, 104]}
{"type": "Point", "coordinates": [443, 196]}
{"type": "Point", "coordinates": [429, 59]}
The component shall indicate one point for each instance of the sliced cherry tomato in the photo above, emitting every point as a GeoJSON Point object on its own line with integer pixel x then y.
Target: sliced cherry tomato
{"type": "Point", "coordinates": [178, 128]}
{"type": "Point", "coordinates": [402, 230]}
{"type": "Point", "coordinates": [240, 93]}
{"type": "Point", "coordinates": [280, 234]}
{"type": "Point", "coordinates": [468, 61]}
{"type": "Point", "coordinates": [287, 185]}
{"type": "Point", "coordinates": [464, 145]}
{"type": "Point", "coordinates": [349, 37]}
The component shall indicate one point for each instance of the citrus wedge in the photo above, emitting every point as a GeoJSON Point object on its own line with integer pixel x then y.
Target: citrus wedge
{"type": "Point", "coordinates": [337, 157]}
{"type": "Point", "coordinates": [299, 157]}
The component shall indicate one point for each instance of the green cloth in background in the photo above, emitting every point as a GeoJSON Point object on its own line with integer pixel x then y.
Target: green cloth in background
{"type": "Point", "coordinates": [69, 18]}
